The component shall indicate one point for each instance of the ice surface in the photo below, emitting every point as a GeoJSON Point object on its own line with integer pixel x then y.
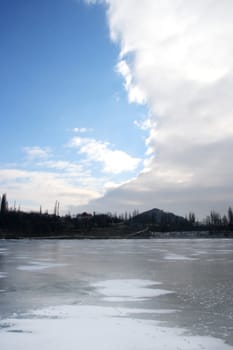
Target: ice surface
{"type": "Point", "coordinates": [125, 296]}
{"type": "Point", "coordinates": [99, 328]}
{"type": "Point", "coordinates": [3, 274]}
{"type": "Point", "coordinates": [3, 251]}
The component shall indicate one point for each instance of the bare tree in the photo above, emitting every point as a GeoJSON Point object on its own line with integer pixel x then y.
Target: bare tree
{"type": "Point", "coordinates": [230, 216]}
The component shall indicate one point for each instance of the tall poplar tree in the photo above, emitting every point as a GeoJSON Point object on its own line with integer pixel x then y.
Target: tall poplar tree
{"type": "Point", "coordinates": [4, 204]}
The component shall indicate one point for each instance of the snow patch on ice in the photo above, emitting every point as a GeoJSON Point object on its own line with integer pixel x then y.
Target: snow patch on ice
{"type": "Point", "coordinates": [129, 290]}
{"type": "Point", "coordinates": [100, 328]}
{"type": "Point", "coordinates": [177, 257]}
{"type": "Point", "coordinates": [38, 265]}
{"type": "Point", "coordinates": [122, 299]}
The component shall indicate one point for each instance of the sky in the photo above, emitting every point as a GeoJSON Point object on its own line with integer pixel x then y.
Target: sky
{"type": "Point", "coordinates": [117, 105]}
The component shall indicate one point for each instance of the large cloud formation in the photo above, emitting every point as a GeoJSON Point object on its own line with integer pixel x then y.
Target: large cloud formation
{"type": "Point", "coordinates": [176, 56]}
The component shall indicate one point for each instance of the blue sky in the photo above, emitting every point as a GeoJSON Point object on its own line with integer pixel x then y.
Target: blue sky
{"type": "Point", "coordinates": [57, 73]}
{"type": "Point", "coordinates": [117, 105]}
{"type": "Point", "coordinates": [58, 77]}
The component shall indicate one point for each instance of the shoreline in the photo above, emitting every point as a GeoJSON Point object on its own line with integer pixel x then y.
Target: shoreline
{"type": "Point", "coordinates": [134, 235]}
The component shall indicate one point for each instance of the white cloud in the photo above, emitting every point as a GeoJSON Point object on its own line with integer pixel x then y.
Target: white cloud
{"type": "Point", "coordinates": [73, 183]}
{"type": "Point", "coordinates": [62, 165]}
{"type": "Point", "coordinates": [31, 189]}
{"type": "Point", "coordinates": [144, 125]}
{"type": "Point", "coordinates": [82, 130]}
{"type": "Point", "coordinates": [91, 1]}
{"type": "Point", "coordinates": [178, 56]}
{"type": "Point", "coordinates": [135, 93]}
{"type": "Point", "coordinates": [36, 152]}
{"type": "Point", "coordinates": [114, 161]}
{"type": "Point", "coordinates": [111, 185]}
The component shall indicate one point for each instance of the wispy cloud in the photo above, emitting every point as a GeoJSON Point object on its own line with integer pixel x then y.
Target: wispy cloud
{"type": "Point", "coordinates": [82, 130]}
{"type": "Point", "coordinates": [92, 1]}
{"type": "Point", "coordinates": [37, 152]}
{"type": "Point", "coordinates": [113, 161]}
{"type": "Point", "coordinates": [135, 92]}
{"type": "Point", "coordinates": [35, 188]}
{"type": "Point", "coordinates": [74, 183]}
{"type": "Point", "coordinates": [145, 124]}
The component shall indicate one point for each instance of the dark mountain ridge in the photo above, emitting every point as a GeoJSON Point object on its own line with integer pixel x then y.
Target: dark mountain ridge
{"type": "Point", "coordinates": [157, 216]}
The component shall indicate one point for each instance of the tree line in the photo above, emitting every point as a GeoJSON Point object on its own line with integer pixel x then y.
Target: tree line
{"type": "Point", "coordinates": [213, 219]}
{"type": "Point", "coordinates": [15, 223]}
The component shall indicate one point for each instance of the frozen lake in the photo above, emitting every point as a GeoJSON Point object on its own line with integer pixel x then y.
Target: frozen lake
{"type": "Point", "coordinates": [116, 294]}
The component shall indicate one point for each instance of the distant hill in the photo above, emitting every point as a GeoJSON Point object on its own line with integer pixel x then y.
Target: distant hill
{"type": "Point", "coordinates": [158, 217]}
